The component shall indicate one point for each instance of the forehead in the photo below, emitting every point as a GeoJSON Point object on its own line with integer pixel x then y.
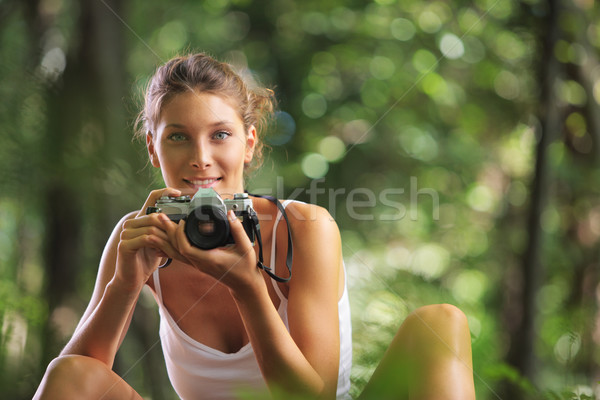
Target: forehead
{"type": "Point", "coordinates": [193, 105]}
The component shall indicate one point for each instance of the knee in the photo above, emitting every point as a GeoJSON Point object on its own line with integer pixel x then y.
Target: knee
{"type": "Point", "coordinates": [440, 313]}
{"type": "Point", "coordinates": [68, 376]}
{"type": "Point", "coordinates": [75, 366]}
{"type": "Point", "coordinates": [439, 320]}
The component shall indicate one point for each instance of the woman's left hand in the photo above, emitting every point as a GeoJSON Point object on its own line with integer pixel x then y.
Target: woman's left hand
{"type": "Point", "coordinates": [233, 265]}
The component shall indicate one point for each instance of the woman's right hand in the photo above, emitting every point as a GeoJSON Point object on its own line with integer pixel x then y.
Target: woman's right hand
{"type": "Point", "coordinates": [144, 243]}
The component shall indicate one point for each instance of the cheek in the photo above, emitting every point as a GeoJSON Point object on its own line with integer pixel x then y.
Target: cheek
{"type": "Point", "coordinates": [169, 158]}
{"type": "Point", "coordinates": [233, 155]}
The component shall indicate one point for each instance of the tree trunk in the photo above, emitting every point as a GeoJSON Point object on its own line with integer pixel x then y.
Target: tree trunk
{"type": "Point", "coordinates": [68, 110]}
{"type": "Point", "coordinates": [78, 141]}
{"type": "Point", "coordinates": [522, 339]}
{"type": "Point", "coordinates": [87, 137]}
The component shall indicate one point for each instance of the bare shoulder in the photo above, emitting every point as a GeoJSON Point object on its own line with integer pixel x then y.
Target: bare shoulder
{"type": "Point", "coordinates": [314, 231]}
{"type": "Point", "coordinates": [310, 219]}
{"type": "Point", "coordinates": [305, 213]}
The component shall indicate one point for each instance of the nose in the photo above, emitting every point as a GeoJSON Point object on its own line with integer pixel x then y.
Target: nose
{"type": "Point", "coordinates": [201, 156]}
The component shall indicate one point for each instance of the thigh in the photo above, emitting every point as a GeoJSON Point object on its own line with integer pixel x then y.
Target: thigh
{"type": "Point", "coordinates": [74, 377]}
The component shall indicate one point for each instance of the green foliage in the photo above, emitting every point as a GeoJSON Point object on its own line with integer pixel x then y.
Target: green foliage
{"type": "Point", "coordinates": [418, 121]}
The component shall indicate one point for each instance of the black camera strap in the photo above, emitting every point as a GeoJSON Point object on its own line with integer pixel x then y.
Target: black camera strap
{"type": "Point", "coordinates": [290, 252]}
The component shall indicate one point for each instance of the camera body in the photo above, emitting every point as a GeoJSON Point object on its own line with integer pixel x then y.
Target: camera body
{"type": "Point", "coordinates": [205, 215]}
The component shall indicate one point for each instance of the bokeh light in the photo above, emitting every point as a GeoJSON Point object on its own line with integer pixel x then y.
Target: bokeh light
{"type": "Point", "coordinates": [283, 129]}
{"type": "Point", "coordinates": [451, 46]}
{"type": "Point", "coordinates": [402, 29]}
{"type": "Point", "coordinates": [314, 165]}
{"type": "Point", "coordinates": [314, 105]}
{"type": "Point", "coordinates": [332, 148]}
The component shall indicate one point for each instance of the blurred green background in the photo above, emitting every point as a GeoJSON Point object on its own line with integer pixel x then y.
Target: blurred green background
{"type": "Point", "coordinates": [455, 142]}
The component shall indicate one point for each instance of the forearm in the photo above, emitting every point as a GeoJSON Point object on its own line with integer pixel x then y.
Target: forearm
{"type": "Point", "coordinates": [282, 363]}
{"type": "Point", "coordinates": [101, 334]}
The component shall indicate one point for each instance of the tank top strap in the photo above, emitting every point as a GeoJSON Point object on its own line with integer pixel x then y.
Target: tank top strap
{"type": "Point", "coordinates": [273, 246]}
{"type": "Point", "coordinates": [156, 280]}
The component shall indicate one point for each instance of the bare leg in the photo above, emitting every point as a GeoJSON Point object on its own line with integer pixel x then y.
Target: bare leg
{"type": "Point", "coordinates": [76, 377]}
{"type": "Point", "coordinates": [429, 358]}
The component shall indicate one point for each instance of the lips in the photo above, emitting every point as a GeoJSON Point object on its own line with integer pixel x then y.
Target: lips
{"type": "Point", "coordinates": [203, 183]}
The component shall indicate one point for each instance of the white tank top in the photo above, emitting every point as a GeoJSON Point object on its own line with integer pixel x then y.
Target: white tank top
{"type": "Point", "coordinates": [199, 371]}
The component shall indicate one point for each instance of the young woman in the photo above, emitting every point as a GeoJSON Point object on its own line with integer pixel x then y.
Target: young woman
{"type": "Point", "coordinates": [226, 326]}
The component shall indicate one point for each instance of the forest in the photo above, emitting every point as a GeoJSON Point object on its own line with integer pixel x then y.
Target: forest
{"type": "Point", "coordinates": [456, 143]}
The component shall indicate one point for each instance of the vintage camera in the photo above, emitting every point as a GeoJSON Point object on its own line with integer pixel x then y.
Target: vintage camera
{"type": "Point", "coordinates": [205, 215]}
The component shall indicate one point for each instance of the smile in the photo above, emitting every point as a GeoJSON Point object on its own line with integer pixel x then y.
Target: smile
{"type": "Point", "coordinates": [202, 183]}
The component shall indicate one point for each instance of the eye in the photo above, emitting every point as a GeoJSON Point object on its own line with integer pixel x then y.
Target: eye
{"type": "Point", "coordinates": [177, 137]}
{"type": "Point", "coordinates": [221, 135]}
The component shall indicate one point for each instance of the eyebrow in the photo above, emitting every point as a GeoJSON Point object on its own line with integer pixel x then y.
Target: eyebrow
{"type": "Point", "coordinates": [212, 125]}
{"type": "Point", "coordinates": [179, 126]}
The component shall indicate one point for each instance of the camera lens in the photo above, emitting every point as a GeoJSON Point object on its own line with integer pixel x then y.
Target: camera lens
{"type": "Point", "coordinates": [207, 227]}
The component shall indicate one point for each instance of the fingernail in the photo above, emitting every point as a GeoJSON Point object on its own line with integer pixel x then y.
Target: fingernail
{"type": "Point", "coordinates": [232, 216]}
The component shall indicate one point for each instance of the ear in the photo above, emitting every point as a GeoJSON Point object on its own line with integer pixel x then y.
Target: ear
{"type": "Point", "coordinates": [152, 150]}
{"type": "Point", "coordinates": [251, 139]}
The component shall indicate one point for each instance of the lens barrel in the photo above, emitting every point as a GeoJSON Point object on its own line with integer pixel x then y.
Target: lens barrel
{"type": "Point", "coordinates": [207, 227]}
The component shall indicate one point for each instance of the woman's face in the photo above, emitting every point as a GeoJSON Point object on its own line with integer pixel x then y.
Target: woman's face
{"type": "Point", "coordinates": [200, 142]}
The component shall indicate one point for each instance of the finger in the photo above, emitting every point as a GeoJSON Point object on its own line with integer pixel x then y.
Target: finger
{"type": "Point", "coordinates": [170, 227]}
{"type": "Point", "coordinates": [159, 220]}
{"type": "Point", "coordinates": [238, 233]}
{"type": "Point", "coordinates": [131, 233]}
{"type": "Point", "coordinates": [193, 254]}
{"type": "Point", "coordinates": [139, 242]}
{"type": "Point", "coordinates": [170, 251]}
{"type": "Point", "coordinates": [167, 234]}
{"type": "Point", "coordinates": [155, 195]}
{"type": "Point", "coordinates": [180, 239]}
{"type": "Point", "coordinates": [162, 247]}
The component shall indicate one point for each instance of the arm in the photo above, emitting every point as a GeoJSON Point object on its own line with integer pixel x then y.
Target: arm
{"type": "Point", "coordinates": [108, 314]}
{"type": "Point", "coordinates": [309, 355]}
{"type": "Point", "coordinates": [305, 360]}
{"type": "Point", "coordinates": [131, 254]}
